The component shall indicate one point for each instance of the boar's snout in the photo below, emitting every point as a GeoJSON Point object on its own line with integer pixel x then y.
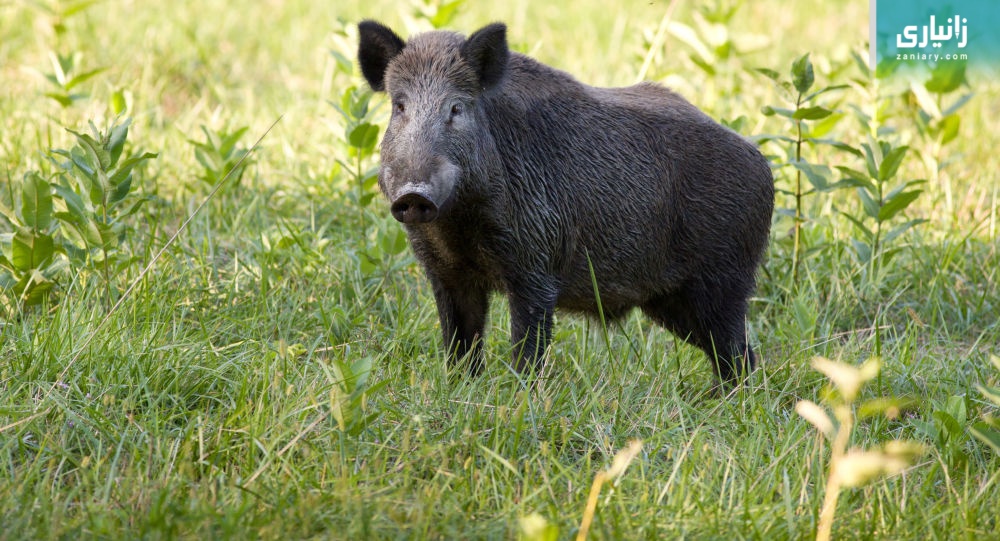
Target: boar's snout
{"type": "Point", "coordinates": [414, 208]}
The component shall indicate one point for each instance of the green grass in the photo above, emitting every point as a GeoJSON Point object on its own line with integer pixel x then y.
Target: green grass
{"type": "Point", "coordinates": [206, 406]}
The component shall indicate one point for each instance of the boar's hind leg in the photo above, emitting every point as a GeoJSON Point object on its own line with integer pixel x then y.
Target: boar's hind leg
{"type": "Point", "coordinates": [462, 311]}
{"type": "Point", "coordinates": [713, 322]}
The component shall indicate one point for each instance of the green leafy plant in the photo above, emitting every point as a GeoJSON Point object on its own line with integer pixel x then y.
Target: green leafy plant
{"type": "Point", "coordinates": [361, 135]}
{"type": "Point", "coordinates": [850, 466]}
{"type": "Point", "coordinates": [709, 40]}
{"type": "Point", "coordinates": [65, 79]}
{"type": "Point", "coordinates": [435, 13]}
{"type": "Point", "coordinates": [219, 154]}
{"type": "Point", "coordinates": [947, 430]}
{"type": "Point", "coordinates": [78, 218]}
{"type": "Point", "coordinates": [811, 122]}
{"type": "Point", "coordinates": [63, 11]}
{"type": "Point", "coordinates": [28, 263]}
{"type": "Point", "coordinates": [349, 393]}
{"type": "Point", "coordinates": [95, 185]}
{"type": "Point", "coordinates": [881, 201]}
{"type": "Point", "coordinates": [938, 122]}
{"type": "Point", "coordinates": [988, 430]}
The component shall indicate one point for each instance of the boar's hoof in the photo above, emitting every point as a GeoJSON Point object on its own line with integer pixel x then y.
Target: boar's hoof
{"type": "Point", "coordinates": [414, 208]}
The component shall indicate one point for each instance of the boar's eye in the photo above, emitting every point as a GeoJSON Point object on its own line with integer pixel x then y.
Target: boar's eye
{"type": "Point", "coordinates": [399, 107]}
{"type": "Point", "coordinates": [456, 110]}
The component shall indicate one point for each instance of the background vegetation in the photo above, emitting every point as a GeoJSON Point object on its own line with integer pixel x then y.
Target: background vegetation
{"type": "Point", "coordinates": [276, 370]}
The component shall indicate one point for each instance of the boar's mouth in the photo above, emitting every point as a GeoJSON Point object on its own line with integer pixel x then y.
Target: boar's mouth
{"type": "Point", "coordinates": [418, 207]}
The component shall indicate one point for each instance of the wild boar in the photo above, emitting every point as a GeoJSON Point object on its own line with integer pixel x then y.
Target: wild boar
{"type": "Point", "coordinates": [511, 176]}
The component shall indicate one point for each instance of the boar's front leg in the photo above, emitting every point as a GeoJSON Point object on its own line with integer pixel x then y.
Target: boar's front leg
{"type": "Point", "coordinates": [462, 306]}
{"type": "Point", "coordinates": [531, 311]}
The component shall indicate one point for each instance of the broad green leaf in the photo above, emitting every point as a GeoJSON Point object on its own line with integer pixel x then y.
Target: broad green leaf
{"type": "Point", "coordinates": [948, 128]}
{"type": "Point", "coordinates": [134, 207]}
{"type": "Point", "coordinates": [767, 110]}
{"type": "Point", "coordinates": [86, 231]}
{"type": "Point", "coordinates": [949, 423]}
{"type": "Point", "coordinates": [99, 156]}
{"type": "Point", "coordinates": [32, 288]}
{"type": "Point", "coordinates": [869, 235]}
{"type": "Point", "coordinates": [811, 113]}
{"type": "Point", "coordinates": [769, 73]}
{"type": "Point", "coordinates": [9, 214]}
{"type": "Point", "coordinates": [370, 179]}
{"type": "Point", "coordinates": [839, 145]}
{"type": "Point", "coordinates": [737, 124]}
{"type": "Point", "coordinates": [83, 77]}
{"type": "Point", "coordinates": [121, 180]}
{"type": "Point", "coordinates": [62, 98]}
{"type": "Point", "coordinates": [445, 13]}
{"type": "Point", "coordinates": [824, 90]}
{"type": "Point", "coordinates": [863, 251]}
{"type": "Point", "coordinates": [105, 183]}
{"type": "Point", "coordinates": [7, 248]}
{"type": "Point", "coordinates": [116, 140]}
{"type": "Point", "coordinates": [72, 8]}
{"type": "Point", "coordinates": [30, 250]}
{"type": "Point", "coordinates": [900, 188]}
{"type": "Point", "coordinates": [802, 74]}
{"type": "Point", "coordinates": [363, 136]}
{"type": "Point", "coordinates": [817, 174]}
{"type": "Point", "coordinates": [857, 177]}
{"type": "Point", "coordinates": [120, 191]}
{"type": "Point", "coordinates": [229, 141]}
{"type": "Point", "coordinates": [897, 204]}
{"type": "Point", "coordinates": [73, 237]}
{"type": "Point", "coordinates": [36, 202]}
{"type": "Point", "coordinates": [946, 77]}
{"type": "Point", "coordinates": [872, 158]}
{"type": "Point", "coordinates": [87, 162]}
{"type": "Point", "coordinates": [706, 66]}
{"type": "Point", "coordinates": [887, 255]}
{"type": "Point", "coordinates": [367, 264]}
{"type": "Point", "coordinates": [362, 99]}
{"type": "Point", "coordinates": [207, 160]}
{"type": "Point", "coordinates": [825, 126]}
{"type": "Point", "coordinates": [870, 205]}
{"type": "Point", "coordinates": [74, 203]}
{"type": "Point", "coordinates": [118, 103]}
{"type": "Point", "coordinates": [890, 162]}
{"type": "Point", "coordinates": [955, 406]}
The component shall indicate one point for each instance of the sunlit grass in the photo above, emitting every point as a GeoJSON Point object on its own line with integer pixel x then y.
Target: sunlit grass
{"type": "Point", "coordinates": [205, 407]}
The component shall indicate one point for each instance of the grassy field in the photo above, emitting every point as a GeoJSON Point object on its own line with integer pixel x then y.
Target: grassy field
{"type": "Point", "coordinates": [278, 372]}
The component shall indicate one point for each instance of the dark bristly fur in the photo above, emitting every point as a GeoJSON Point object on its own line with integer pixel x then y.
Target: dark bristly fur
{"type": "Point", "coordinates": [512, 176]}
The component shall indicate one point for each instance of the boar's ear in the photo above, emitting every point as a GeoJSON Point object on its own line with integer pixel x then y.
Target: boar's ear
{"type": "Point", "coordinates": [486, 51]}
{"type": "Point", "coordinates": [377, 46]}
